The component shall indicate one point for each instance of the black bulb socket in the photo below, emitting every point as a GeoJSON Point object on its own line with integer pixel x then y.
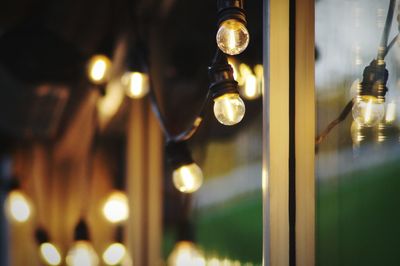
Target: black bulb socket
{"type": "Point", "coordinates": [81, 232]}
{"type": "Point", "coordinates": [221, 77]}
{"type": "Point", "coordinates": [178, 154]}
{"type": "Point", "coordinates": [185, 231]}
{"type": "Point", "coordinates": [375, 77]}
{"type": "Point", "coordinates": [41, 236]}
{"type": "Point", "coordinates": [231, 9]}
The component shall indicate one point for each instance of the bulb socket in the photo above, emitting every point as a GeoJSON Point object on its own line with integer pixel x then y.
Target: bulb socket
{"type": "Point", "coordinates": [81, 231]}
{"type": "Point", "coordinates": [119, 234]}
{"type": "Point", "coordinates": [41, 236]}
{"type": "Point", "coordinates": [375, 77]}
{"type": "Point", "coordinates": [178, 154]}
{"type": "Point", "coordinates": [221, 76]}
{"type": "Point", "coordinates": [185, 231]}
{"type": "Point", "coordinates": [231, 9]}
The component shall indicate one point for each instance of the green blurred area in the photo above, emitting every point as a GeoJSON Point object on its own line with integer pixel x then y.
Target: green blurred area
{"type": "Point", "coordinates": [232, 230]}
{"type": "Point", "coordinates": [358, 217]}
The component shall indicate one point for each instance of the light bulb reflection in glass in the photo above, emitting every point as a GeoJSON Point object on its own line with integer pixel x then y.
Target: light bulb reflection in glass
{"type": "Point", "coordinates": [368, 111]}
{"type": "Point", "coordinates": [116, 207]}
{"type": "Point", "coordinates": [232, 37]}
{"type": "Point", "coordinates": [82, 254]}
{"type": "Point", "coordinates": [186, 253]}
{"type": "Point", "coordinates": [188, 178]}
{"type": "Point", "coordinates": [50, 254]}
{"type": "Point", "coordinates": [136, 84]}
{"type": "Point", "coordinates": [229, 109]}
{"type": "Point", "coordinates": [18, 206]}
{"type": "Point", "coordinates": [114, 254]}
{"type": "Point", "coordinates": [99, 69]}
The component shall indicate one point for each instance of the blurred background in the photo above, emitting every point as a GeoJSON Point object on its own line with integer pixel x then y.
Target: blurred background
{"type": "Point", "coordinates": [357, 167]}
{"type": "Point", "coordinates": [82, 165]}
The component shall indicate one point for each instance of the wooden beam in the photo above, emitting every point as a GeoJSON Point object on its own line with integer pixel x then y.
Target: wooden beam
{"type": "Point", "coordinates": [305, 133]}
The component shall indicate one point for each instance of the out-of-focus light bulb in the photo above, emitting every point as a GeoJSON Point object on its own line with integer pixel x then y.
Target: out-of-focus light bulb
{"type": "Point", "coordinates": [186, 253]}
{"type": "Point", "coordinates": [188, 178]}
{"type": "Point", "coordinates": [114, 254]}
{"type": "Point", "coordinates": [250, 90]}
{"type": "Point", "coordinates": [390, 115]}
{"type": "Point", "coordinates": [229, 109]}
{"type": "Point", "coordinates": [259, 71]}
{"type": "Point", "coordinates": [18, 206]}
{"type": "Point", "coordinates": [116, 207]}
{"type": "Point", "coordinates": [82, 254]}
{"type": "Point", "coordinates": [50, 254]}
{"type": "Point", "coordinates": [136, 84]}
{"type": "Point", "coordinates": [368, 111]}
{"type": "Point", "coordinates": [232, 37]}
{"type": "Point", "coordinates": [99, 67]}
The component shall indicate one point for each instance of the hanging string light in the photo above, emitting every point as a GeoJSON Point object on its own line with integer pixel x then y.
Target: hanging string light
{"type": "Point", "coordinates": [368, 106]}
{"type": "Point", "coordinates": [116, 252]}
{"type": "Point", "coordinates": [99, 69]}
{"type": "Point", "coordinates": [82, 252]}
{"type": "Point", "coordinates": [232, 36]}
{"type": "Point", "coordinates": [18, 205]}
{"type": "Point", "coordinates": [116, 208]}
{"type": "Point", "coordinates": [49, 253]}
{"type": "Point", "coordinates": [187, 175]}
{"type": "Point", "coordinates": [229, 108]}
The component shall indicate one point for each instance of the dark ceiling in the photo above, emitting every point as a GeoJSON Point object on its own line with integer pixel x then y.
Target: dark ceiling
{"type": "Point", "coordinates": [44, 46]}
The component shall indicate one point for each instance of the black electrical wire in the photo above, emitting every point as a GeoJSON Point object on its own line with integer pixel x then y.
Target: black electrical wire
{"type": "Point", "coordinates": [383, 50]}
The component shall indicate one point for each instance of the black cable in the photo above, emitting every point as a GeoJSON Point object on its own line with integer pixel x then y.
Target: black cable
{"type": "Point", "coordinates": [386, 31]}
{"type": "Point", "coordinates": [391, 44]}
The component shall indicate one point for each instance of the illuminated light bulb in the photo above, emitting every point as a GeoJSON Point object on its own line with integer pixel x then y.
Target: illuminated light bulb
{"type": "Point", "coordinates": [259, 71]}
{"type": "Point", "coordinates": [186, 253]}
{"type": "Point", "coordinates": [82, 254]}
{"type": "Point", "coordinates": [136, 84]}
{"type": "Point", "coordinates": [18, 206]}
{"type": "Point", "coordinates": [232, 37]}
{"type": "Point", "coordinates": [99, 67]}
{"type": "Point", "coordinates": [114, 254]}
{"type": "Point", "coordinates": [368, 111]}
{"type": "Point", "coordinates": [229, 109]}
{"type": "Point", "coordinates": [188, 178]}
{"type": "Point", "coordinates": [50, 254]}
{"type": "Point", "coordinates": [116, 207]}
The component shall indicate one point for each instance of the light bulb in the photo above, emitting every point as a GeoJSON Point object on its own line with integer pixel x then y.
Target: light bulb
{"type": "Point", "coordinates": [50, 254]}
{"type": "Point", "coordinates": [114, 254]}
{"type": "Point", "coordinates": [116, 207]}
{"type": "Point", "coordinates": [368, 111]}
{"type": "Point", "coordinates": [188, 178]}
{"type": "Point", "coordinates": [136, 84]}
{"type": "Point", "coordinates": [99, 67]}
{"type": "Point", "coordinates": [82, 254]}
{"type": "Point", "coordinates": [18, 206]}
{"type": "Point", "coordinates": [232, 37]}
{"type": "Point", "coordinates": [229, 109]}
{"type": "Point", "coordinates": [186, 253]}
{"type": "Point", "coordinates": [390, 114]}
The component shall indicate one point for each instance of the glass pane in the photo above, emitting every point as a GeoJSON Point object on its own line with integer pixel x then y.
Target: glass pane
{"type": "Point", "coordinates": [357, 162]}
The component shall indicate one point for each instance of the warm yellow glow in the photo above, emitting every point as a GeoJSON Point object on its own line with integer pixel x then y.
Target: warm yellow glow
{"type": "Point", "coordinates": [136, 84]}
{"type": "Point", "coordinates": [99, 67]}
{"type": "Point", "coordinates": [368, 111]}
{"type": "Point", "coordinates": [109, 104]}
{"type": "Point", "coordinates": [114, 254]}
{"type": "Point", "coordinates": [82, 254]}
{"type": "Point", "coordinates": [186, 253]}
{"type": "Point", "coordinates": [229, 109]}
{"type": "Point", "coordinates": [116, 207]}
{"type": "Point", "coordinates": [50, 254]}
{"type": "Point", "coordinates": [251, 91]}
{"type": "Point", "coordinates": [390, 113]}
{"type": "Point", "coordinates": [188, 178]}
{"type": "Point", "coordinates": [18, 206]}
{"type": "Point", "coordinates": [259, 71]}
{"type": "Point", "coordinates": [232, 37]}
